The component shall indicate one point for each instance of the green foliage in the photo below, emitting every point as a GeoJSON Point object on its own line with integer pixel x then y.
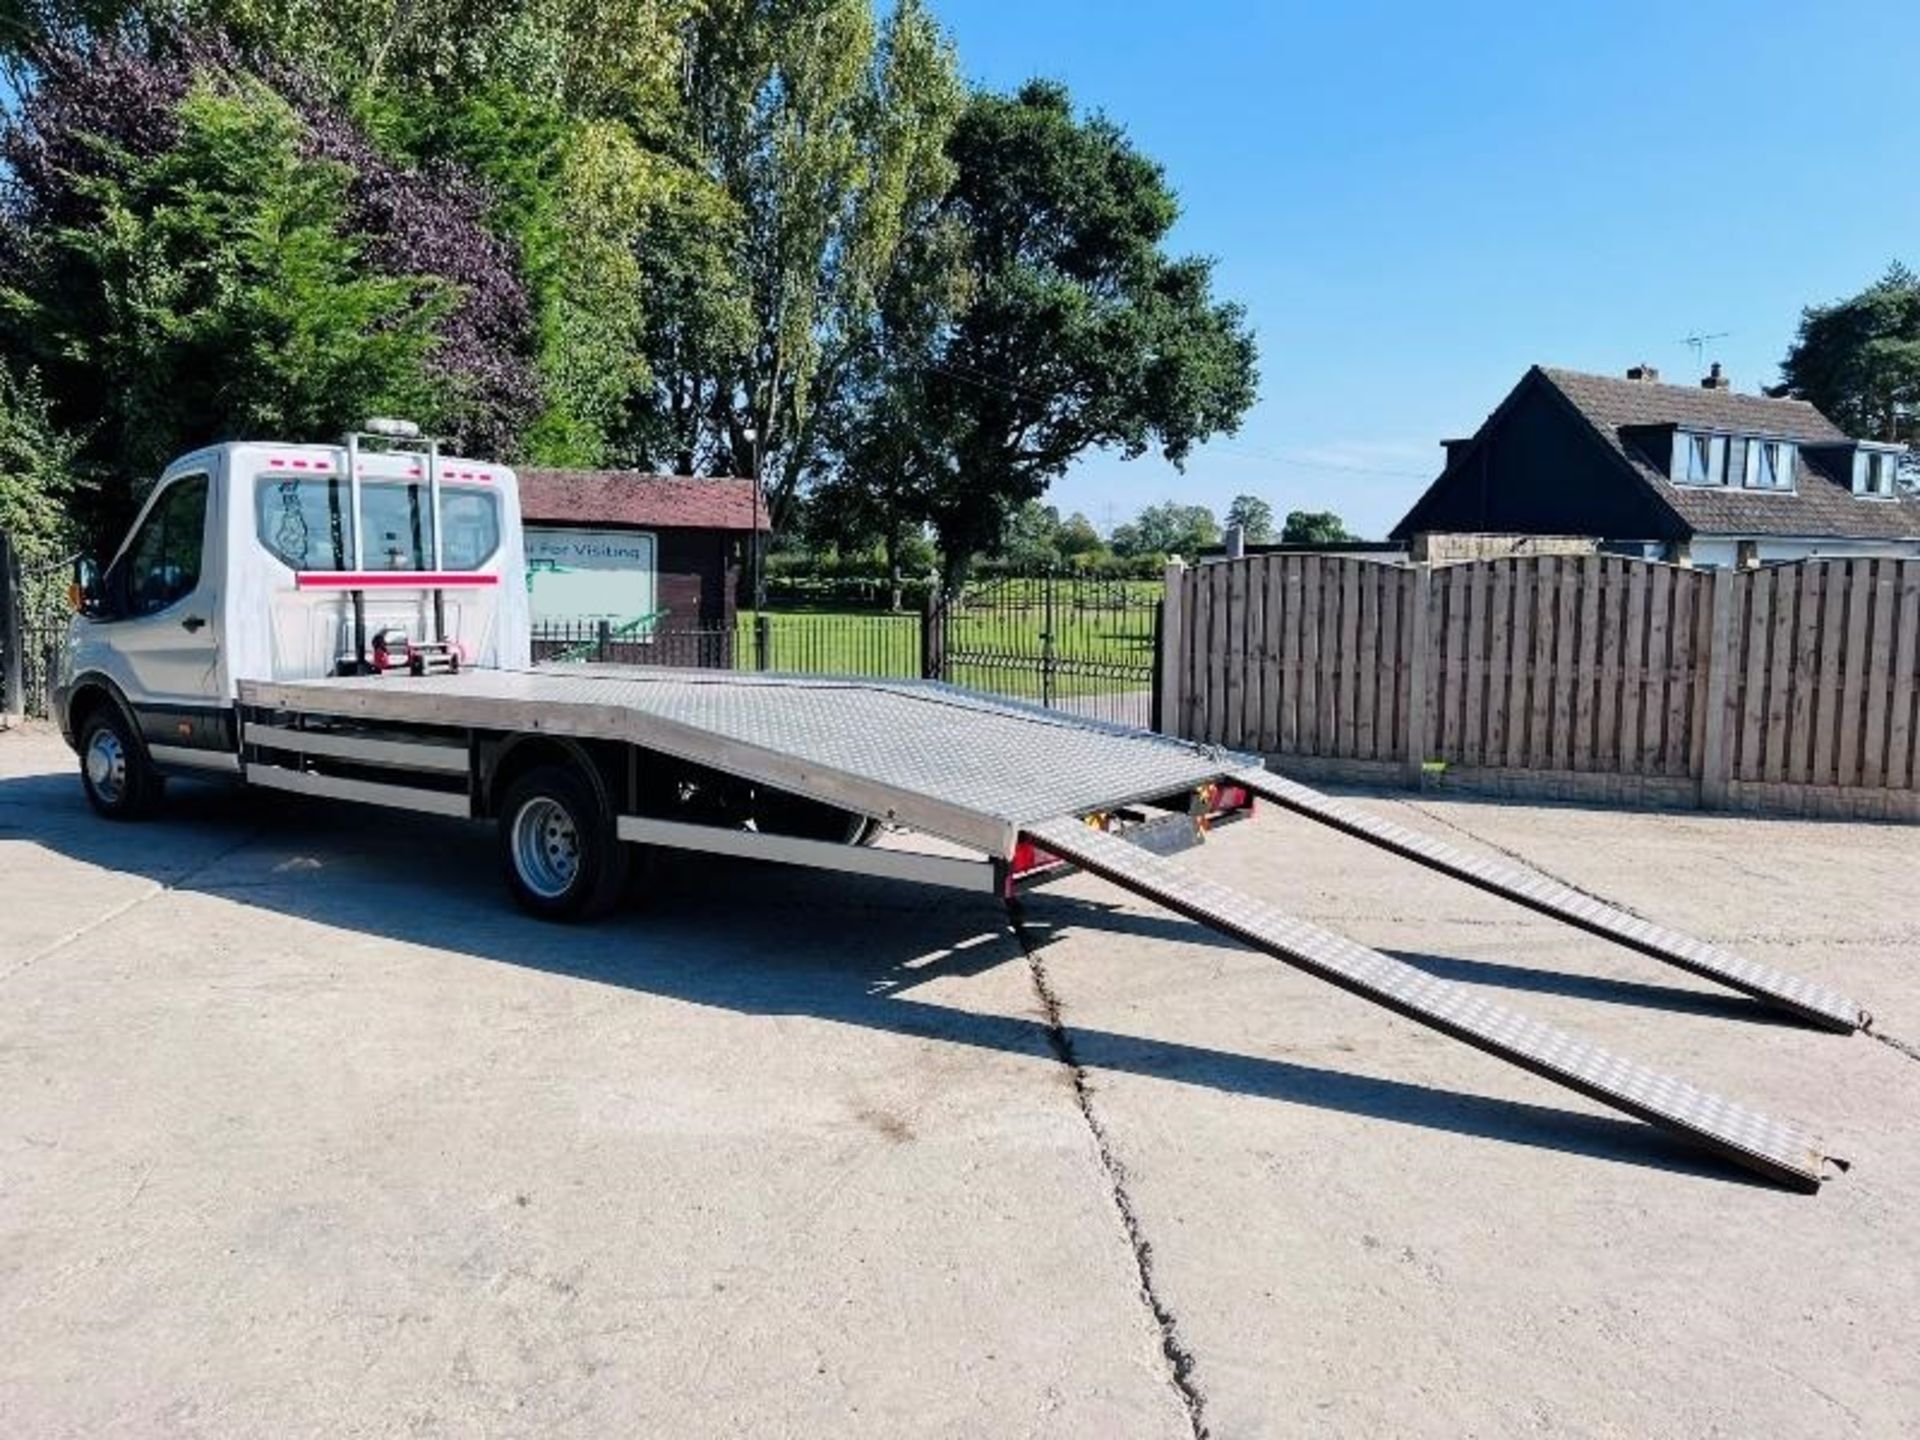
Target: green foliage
{"type": "Point", "coordinates": [1314, 527]}
{"type": "Point", "coordinates": [1068, 327]}
{"type": "Point", "coordinates": [1168, 529]}
{"type": "Point", "coordinates": [218, 296]}
{"type": "Point", "coordinates": [772, 236]}
{"type": "Point", "coordinates": [1254, 516]}
{"type": "Point", "coordinates": [1858, 360]}
{"type": "Point", "coordinates": [827, 133]}
{"type": "Point", "coordinates": [37, 484]}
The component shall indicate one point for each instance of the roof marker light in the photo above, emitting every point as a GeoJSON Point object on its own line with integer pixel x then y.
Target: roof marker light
{"type": "Point", "coordinates": [391, 428]}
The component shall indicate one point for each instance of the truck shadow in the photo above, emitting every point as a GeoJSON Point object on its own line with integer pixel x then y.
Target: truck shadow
{"type": "Point", "coordinates": [844, 949]}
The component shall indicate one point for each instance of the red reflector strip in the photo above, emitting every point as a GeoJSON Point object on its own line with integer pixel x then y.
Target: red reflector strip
{"type": "Point", "coordinates": [393, 580]}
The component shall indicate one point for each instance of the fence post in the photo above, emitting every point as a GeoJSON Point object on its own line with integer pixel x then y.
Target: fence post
{"type": "Point", "coordinates": [933, 637]}
{"type": "Point", "coordinates": [762, 640]}
{"type": "Point", "coordinates": [1420, 664]}
{"type": "Point", "coordinates": [1170, 694]}
{"type": "Point", "coordinates": [603, 640]}
{"type": "Point", "coordinates": [13, 638]}
{"type": "Point", "coordinates": [1715, 764]}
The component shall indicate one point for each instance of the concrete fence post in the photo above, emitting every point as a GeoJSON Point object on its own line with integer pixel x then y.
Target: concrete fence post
{"type": "Point", "coordinates": [1716, 764]}
{"type": "Point", "coordinates": [1172, 718]}
{"type": "Point", "coordinates": [1419, 666]}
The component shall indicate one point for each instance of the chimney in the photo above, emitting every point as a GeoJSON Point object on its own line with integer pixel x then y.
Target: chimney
{"type": "Point", "coordinates": [1715, 380]}
{"type": "Point", "coordinates": [1644, 372]}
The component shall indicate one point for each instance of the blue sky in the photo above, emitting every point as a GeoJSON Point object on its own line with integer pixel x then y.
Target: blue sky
{"type": "Point", "coordinates": [1415, 202]}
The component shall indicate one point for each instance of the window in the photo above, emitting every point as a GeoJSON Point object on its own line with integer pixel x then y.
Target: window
{"type": "Point", "coordinates": [399, 521]}
{"type": "Point", "coordinates": [1770, 465]}
{"type": "Point", "coordinates": [472, 518]}
{"type": "Point", "coordinates": [163, 563]}
{"type": "Point", "coordinates": [1874, 471]}
{"type": "Point", "coordinates": [1699, 459]}
{"type": "Point", "coordinates": [306, 521]}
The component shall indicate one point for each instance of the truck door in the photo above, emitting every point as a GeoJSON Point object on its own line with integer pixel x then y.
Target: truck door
{"type": "Point", "coordinates": [166, 633]}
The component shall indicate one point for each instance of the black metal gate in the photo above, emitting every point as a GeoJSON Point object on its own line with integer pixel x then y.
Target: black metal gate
{"type": "Point", "coordinates": [1068, 642]}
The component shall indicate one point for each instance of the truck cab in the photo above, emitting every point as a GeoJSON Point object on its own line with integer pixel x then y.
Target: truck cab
{"type": "Point", "coordinates": [269, 561]}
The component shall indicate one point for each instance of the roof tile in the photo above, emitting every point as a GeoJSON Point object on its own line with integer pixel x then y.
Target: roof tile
{"type": "Point", "coordinates": [632, 497]}
{"type": "Point", "coordinates": [1822, 504]}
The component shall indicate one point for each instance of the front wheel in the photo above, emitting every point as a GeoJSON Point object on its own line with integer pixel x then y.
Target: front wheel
{"type": "Point", "coordinates": [559, 850]}
{"type": "Point", "coordinates": [119, 779]}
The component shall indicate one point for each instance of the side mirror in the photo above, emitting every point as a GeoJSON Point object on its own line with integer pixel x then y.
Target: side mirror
{"type": "Point", "coordinates": [86, 593]}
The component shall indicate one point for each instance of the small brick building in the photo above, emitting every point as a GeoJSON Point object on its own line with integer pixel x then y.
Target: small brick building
{"type": "Point", "coordinates": [620, 545]}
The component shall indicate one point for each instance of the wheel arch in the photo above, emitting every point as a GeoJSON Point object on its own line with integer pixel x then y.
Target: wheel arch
{"type": "Point", "coordinates": [602, 762]}
{"type": "Point", "coordinates": [87, 694]}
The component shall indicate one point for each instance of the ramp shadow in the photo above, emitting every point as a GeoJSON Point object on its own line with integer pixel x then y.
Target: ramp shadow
{"type": "Point", "coordinates": [847, 950]}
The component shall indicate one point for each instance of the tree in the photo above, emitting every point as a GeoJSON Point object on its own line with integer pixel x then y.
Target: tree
{"type": "Point", "coordinates": [1254, 516]}
{"type": "Point", "coordinates": [1070, 327]}
{"type": "Point", "coordinates": [1169, 528]}
{"type": "Point", "coordinates": [827, 133]}
{"type": "Point", "coordinates": [1032, 537]}
{"type": "Point", "coordinates": [37, 489]}
{"type": "Point", "coordinates": [1314, 527]}
{"type": "Point", "coordinates": [217, 293]}
{"type": "Point", "coordinates": [1079, 542]}
{"type": "Point", "coordinates": [1858, 360]}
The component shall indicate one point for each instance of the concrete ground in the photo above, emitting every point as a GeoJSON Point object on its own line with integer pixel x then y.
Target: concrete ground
{"type": "Point", "coordinates": [306, 1132]}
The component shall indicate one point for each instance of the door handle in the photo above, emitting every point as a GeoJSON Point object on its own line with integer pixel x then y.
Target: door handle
{"type": "Point", "coordinates": [192, 624]}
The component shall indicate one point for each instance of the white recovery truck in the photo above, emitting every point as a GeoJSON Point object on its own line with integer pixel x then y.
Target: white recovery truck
{"type": "Point", "coordinates": [351, 621]}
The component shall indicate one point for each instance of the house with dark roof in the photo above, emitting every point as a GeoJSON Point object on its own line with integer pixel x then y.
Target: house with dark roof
{"type": "Point", "coordinates": [643, 552]}
{"type": "Point", "coordinates": [1698, 474]}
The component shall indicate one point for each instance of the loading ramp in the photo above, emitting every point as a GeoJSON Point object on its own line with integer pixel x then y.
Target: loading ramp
{"type": "Point", "coordinates": [995, 776]}
{"type": "Point", "coordinates": [1805, 999]}
{"type": "Point", "coordinates": [1778, 1151]}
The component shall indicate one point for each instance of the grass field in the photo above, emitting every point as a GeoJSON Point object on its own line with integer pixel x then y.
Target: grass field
{"type": "Point", "coordinates": [1102, 642]}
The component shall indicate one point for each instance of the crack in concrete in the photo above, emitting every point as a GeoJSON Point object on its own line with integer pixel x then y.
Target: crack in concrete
{"type": "Point", "coordinates": [1894, 1042]}
{"type": "Point", "coordinates": [1173, 1349]}
{"type": "Point", "coordinates": [1524, 861]}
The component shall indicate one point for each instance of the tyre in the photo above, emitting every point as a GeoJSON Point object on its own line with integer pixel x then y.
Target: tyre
{"type": "Point", "coordinates": [119, 779]}
{"type": "Point", "coordinates": [558, 848]}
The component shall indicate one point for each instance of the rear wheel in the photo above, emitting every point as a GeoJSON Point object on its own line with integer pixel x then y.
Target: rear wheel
{"type": "Point", "coordinates": [120, 781]}
{"type": "Point", "coordinates": [559, 850]}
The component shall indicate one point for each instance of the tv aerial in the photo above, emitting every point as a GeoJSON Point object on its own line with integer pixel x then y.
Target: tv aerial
{"type": "Point", "coordinates": [1698, 344]}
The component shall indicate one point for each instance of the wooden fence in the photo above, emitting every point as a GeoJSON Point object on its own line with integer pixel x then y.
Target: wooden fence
{"type": "Point", "coordinates": [1791, 687]}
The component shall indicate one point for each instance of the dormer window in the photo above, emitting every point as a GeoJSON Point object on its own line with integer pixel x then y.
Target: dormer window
{"type": "Point", "coordinates": [1770, 464]}
{"type": "Point", "coordinates": [1874, 471]}
{"type": "Point", "coordinates": [1699, 459]}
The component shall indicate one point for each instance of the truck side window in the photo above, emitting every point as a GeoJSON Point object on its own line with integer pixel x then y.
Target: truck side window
{"type": "Point", "coordinates": [163, 564]}
{"type": "Point", "coordinates": [306, 521]}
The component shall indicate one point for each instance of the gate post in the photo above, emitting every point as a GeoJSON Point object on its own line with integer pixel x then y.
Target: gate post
{"type": "Point", "coordinates": [762, 640]}
{"type": "Point", "coordinates": [1420, 663]}
{"type": "Point", "coordinates": [13, 638]}
{"type": "Point", "coordinates": [933, 636]}
{"type": "Point", "coordinates": [1715, 769]}
{"type": "Point", "coordinates": [1170, 670]}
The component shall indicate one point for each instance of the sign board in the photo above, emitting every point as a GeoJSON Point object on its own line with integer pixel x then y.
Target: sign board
{"type": "Point", "coordinates": [576, 575]}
